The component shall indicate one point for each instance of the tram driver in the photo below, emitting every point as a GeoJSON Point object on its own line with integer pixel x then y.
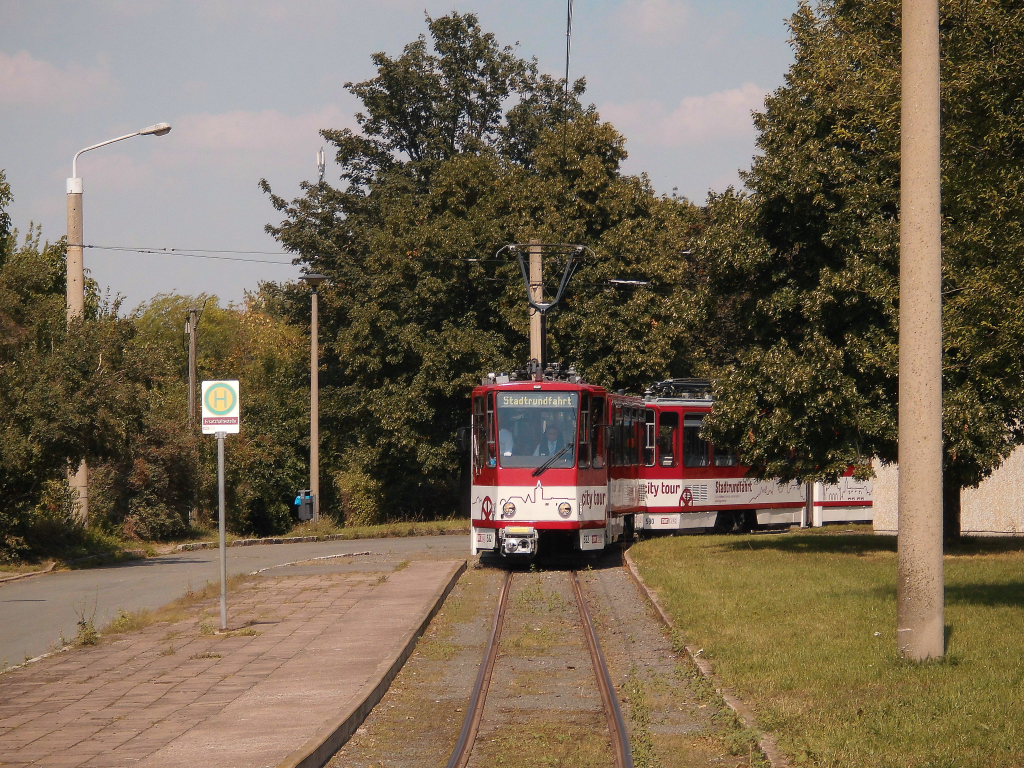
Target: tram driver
{"type": "Point", "coordinates": [551, 444]}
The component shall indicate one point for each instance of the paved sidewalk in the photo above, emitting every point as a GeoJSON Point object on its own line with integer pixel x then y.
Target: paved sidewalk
{"type": "Point", "coordinates": [36, 611]}
{"type": "Point", "coordinates": [304, 649]}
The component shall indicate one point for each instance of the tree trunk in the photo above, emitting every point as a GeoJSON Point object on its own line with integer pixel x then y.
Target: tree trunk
{"type": "Point", "coordinates": [950, 509]}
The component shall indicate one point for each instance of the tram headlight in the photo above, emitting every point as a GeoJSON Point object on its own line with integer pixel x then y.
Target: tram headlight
{"type": "Point", "coordinates": [508, 510]}
{"type": "Point", "coordinates": [565, 509]}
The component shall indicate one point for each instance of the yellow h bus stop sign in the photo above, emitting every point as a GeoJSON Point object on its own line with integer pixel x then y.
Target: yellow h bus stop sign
{"type": "Point", "coordinates": [220, 407]}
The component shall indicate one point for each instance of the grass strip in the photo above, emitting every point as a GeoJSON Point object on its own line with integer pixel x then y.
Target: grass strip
{"type": "Point", "coordinates": [174, 611]}
{"type": "Point", "coordinates": [327, 528]}
{"type": "Point", "coordinates": [803, 625]}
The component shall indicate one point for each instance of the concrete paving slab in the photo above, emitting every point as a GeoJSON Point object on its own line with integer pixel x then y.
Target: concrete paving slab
{"type": "Point", "coordinates": [38, 611]}
{"type": "Point", "coordinates": [307, 657]}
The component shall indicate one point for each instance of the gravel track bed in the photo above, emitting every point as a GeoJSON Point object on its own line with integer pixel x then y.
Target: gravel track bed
{"type": "Point", "coordinates": [417, 722]}
{"type": "Point", "coordinates": [543, 707]}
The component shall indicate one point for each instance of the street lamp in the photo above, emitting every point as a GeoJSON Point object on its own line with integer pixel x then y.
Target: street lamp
{"type": "Point", "coordinates": [76, 278]}
{"type": "Point", "coordinates": [313, 280]}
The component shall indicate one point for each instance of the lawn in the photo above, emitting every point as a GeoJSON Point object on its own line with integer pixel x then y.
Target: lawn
{"type": "Point", "coordinates": [803, 626]}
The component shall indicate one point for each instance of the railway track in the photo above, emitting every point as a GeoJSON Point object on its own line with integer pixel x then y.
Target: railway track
{"type": "Point", "coordinates": [474, 713]}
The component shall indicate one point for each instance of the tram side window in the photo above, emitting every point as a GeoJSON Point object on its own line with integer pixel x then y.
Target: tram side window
{"type": "Point", "coordinates": [492, 451]}
{"type": "Point", "coordinates": [619, 429]}
{"type": "Point", "coordinates": [667, 428]}
{"type": "Point", "coordinates": [628, 444]}
{"type": "Point", "coordinates": [479, 432]}
{"type": "Point", "coordinates": [615, 437]}
{"type": "Point", "coordinates": [583, 450]}
{"type": "Point", "coordinates": [724, 458]}
{"type": "Point", "coordinates": [695, 449]}
{"type": "Point", "coordinates": [598, 432]}
{"type": "Point", "coordinates": [620, 437]}
{"type": "Point", "coordinates": [634, 437]}
{"type": "Point", "coordinates": [649, 437]}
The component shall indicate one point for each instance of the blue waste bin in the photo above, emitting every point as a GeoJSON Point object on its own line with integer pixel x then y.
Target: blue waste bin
{"type": "Point", "coordinates": [305, 501]}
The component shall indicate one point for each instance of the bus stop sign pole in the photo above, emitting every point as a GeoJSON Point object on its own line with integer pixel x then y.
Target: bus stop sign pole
{"type": "Point", "coordinates": [220, 418]}
{"type": "Point", "coordinates": [223, 547]}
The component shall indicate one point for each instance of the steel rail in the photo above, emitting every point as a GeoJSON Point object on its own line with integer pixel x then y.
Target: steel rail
{"type": "Point", "coordinates": [475, 710]}
{"type": "Point", "coordinates": [616, 725]}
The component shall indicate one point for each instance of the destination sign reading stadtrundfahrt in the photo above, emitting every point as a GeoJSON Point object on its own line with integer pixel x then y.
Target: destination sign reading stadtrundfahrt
{"type": "Point", "coordinates": [220, 407]}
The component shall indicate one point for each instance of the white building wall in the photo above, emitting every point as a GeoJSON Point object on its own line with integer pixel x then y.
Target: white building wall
{"type": "Point", "coordinates": [994, 508]}
{"type": "Point", "coordinates": [885, 497]}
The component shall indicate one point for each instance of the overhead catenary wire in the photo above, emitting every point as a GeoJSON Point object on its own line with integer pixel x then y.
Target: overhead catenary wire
{"type": "Point", "coordinates": [195, 253]}
{"type": "Point", "coordinates": [568, 50]}
{"type": "Point", "coordinates": [565, 96]}
{"type": "Point", "coordinates": [206, 253]}
{"type": "Point", "coordinates": [237, 255]}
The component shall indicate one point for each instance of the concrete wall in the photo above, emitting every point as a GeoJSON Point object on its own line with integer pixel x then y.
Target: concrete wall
{"type": "Point", "coordinates": [994, 508]}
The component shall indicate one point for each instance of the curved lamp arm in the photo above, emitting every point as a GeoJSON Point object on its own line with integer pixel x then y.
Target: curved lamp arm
{"type": "Point", "coordinates": [160, 129]}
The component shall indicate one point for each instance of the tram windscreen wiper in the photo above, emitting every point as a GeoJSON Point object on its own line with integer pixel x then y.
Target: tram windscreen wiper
{"type": "Point", "coordinates": [547, 464]}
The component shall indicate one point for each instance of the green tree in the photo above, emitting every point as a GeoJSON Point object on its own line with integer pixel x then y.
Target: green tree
{"type": "Point", "coordinates": [266, 463]}
{"type": "Point", "coordinates": [67, 391]}
{"type": "Point", "coordinates": [112, 389]}
{"type": "Point", "coordinates": [806, 266]}
{"type": "Point", "coordinates": [466, 148]}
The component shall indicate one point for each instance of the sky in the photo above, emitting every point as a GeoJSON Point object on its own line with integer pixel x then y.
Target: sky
{"type": "Point", "coordinates": [247, 84]}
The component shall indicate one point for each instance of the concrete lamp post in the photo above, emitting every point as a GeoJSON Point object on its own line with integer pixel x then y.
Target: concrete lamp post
{"type": "Point", "coordinates": [314, 280]}
{"type": "Point", "coordinates": [76, 279]}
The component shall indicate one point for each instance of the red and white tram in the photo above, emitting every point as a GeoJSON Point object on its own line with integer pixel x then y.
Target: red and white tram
{"type": "Point", "coordinates": [690, 484]}
{"type": "Point", "coordinates": [553, 458]}
{"type": "Point", "coordinates": [560, 460]}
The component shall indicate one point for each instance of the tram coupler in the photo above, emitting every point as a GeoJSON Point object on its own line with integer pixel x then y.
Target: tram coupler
{"type": "Point", "coordinates": [518, 540]}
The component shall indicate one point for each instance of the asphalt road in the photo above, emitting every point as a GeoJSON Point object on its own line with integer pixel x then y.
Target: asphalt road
{"type": "Point", "coordinates": [36, 612]}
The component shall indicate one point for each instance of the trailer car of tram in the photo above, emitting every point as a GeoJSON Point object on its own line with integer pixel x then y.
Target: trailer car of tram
{"type": "Point", "coordinates": [560, 461]}
{"type": "Point", "coordinates": [691, 484]}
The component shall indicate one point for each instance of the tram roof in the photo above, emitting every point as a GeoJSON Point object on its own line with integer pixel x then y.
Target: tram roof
{"type": "Point", "coordinates": [534, 375]}
{"type": "Point", "coordinates": [680, 391]}
{"type": "Point", "coordinates": [682, 401]}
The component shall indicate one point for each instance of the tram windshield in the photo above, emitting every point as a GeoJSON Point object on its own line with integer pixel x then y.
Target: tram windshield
{"type": "Point", "coordinates": [535, 426]}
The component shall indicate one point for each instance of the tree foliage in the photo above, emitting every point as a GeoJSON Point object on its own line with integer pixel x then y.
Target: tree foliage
{"type": "Point", "coordinates": [68, 391]}
{"type": "Point", "coordinates": [267, 462]}
{"type": "Point", "coordinates": [111, 389]}
{"type": "Point", "coordinates": [465, 148]}
{"type": "Point", "coordinates": [806, 265]}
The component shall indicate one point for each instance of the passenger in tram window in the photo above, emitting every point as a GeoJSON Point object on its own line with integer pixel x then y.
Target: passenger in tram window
{"type": "Point", "coordinates": [505, 442]}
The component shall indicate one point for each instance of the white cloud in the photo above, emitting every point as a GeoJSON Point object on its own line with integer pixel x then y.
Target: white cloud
{"type": "Point", "coordinates": [655, 21]}
{"type": "Point", "coordinates": [268, 132]}
{"type": "Point", "coordinates": [130, 8]}
{"type": "Point", "coordinates": [232, 147]}
{"type": "Point", "coordinates": [29, 82]}
{"type": "Point", "coordinates": [113, 171]}
{"type": "Point", "coordinates": [723, 115]}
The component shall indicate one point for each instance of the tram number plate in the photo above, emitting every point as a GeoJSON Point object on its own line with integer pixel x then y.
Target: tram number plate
{"type": "Point", "coordinates": [592, 539]}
